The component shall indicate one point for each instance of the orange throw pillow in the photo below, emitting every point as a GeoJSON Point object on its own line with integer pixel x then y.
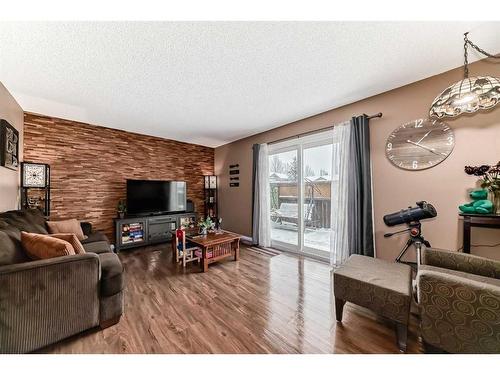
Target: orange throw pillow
{"type": "Point", "coordinates": [66, 226]}
{"type": "Point", "coordinates": [72, 239]}
{"type": "Point", "coordinates": [42, 246]}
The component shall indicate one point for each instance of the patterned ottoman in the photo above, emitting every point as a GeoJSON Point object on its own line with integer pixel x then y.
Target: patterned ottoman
{"type": "Point", "coordinates": [378, 285]}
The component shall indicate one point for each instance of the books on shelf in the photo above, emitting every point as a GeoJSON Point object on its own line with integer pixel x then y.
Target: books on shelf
{"type": "Point", "coordinates": [132, 232]}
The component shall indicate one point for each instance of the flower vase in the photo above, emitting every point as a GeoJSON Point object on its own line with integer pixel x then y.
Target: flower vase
{"type": "Point", "coordinates": [203, 231]}
{"type": "Point", "coordinates": [496, 202]}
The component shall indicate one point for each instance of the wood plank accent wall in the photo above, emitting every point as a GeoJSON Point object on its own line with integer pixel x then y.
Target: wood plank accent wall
{"type": "Point", "coordinates": [90, 164]}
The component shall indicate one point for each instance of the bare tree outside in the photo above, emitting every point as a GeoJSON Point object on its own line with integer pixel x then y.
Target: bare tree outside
{"type": "Point", "coordinates": [277, 165]}
{"type": "Point", "coordinates": [308, 171]}
{"type": "Point", "coordinates": [292, 169]}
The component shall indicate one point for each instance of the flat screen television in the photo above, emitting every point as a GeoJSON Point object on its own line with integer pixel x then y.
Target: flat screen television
{"type": "Point", "coordinates": [148, 197]}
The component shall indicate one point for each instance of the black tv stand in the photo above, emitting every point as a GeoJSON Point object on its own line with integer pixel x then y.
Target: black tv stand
{"type": "Point", "coordinates": [136, 231]}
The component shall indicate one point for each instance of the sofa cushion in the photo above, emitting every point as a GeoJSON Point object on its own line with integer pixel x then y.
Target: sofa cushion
{"type": "Point", "coordinates": [98, 247]}
{"type": "Point", "coordinates": [96, 242]}
{"type": "Point", "coordinates": [11, 225]}
{"type": "Point", "coordinates": [112, 280]}
{"type": "Point", "coordinates": [66, 226]}
{"type": "Point", "coordinates": [42, 246]}
{"type": "Point", "coordinates": [95, 237]}
{"type": "Point", "coordinates": [31, 221]}
{"type": "Point", "coordinates": [11, 250]}
{"type": "Point", "coordinates": [72, 239]}
{"type": "Point", "coordinates": [86, 227]}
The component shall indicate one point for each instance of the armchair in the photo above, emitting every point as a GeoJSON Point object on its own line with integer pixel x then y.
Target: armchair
{"type": "Point", "coordinates": [459, 301]}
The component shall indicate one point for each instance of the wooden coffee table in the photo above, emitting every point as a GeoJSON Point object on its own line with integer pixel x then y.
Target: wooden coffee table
{"type": "Point", "coordinates": [214, 246]}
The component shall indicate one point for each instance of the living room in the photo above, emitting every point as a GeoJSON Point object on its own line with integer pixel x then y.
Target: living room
{"type": "Point", "coordinates": [215, 187]}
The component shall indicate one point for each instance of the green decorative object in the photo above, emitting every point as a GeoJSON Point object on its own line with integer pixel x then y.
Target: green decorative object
{"type": "Point", "coordinates": [489, 179]}
{"type": "Point", "coordinates": [479, 205]}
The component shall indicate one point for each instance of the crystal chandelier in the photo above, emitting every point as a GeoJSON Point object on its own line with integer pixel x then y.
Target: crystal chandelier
{"type": "Point", "coordinates": [470, 94]}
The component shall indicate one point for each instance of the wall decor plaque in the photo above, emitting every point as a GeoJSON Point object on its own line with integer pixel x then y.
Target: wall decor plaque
{"type": "Point", "coordinates": [9, 146]}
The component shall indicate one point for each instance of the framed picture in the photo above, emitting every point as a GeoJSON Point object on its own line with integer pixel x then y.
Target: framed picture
{"type": "Point", "coordinates": [9, 146]}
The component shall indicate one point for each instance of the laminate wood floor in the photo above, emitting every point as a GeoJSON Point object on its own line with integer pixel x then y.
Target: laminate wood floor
{"type": "Point", "coordinates": [260, 304]}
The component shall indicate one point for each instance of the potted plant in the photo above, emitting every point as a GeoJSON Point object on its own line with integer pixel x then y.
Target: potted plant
{"type": "Point", "coordinates": [490, 179]}
{"type": "Point", "coordinates": [205, 225]}
{"type": "Point", "coordinates": [121, 208]}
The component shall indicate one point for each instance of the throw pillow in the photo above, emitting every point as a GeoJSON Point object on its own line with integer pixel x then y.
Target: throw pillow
{"type": "Point", "coordinates": [66, 226]}
{"type": "Point", "coordinates": [42, 246]}
{"type": "Point", "coordinates": [72, 239]}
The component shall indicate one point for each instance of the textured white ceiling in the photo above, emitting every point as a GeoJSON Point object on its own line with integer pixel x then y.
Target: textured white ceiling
{"type": "Point", "coordinates": [214, 82]}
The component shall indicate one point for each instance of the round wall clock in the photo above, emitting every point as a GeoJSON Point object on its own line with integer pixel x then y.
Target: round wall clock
{"type": "Point", "coordinates": [420, 144]}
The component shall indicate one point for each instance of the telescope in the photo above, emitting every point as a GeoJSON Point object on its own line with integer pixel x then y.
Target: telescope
{"type": "Point", "coordinates": [422, 211]}
{"type": "Point", "coordinates": [411, 216]}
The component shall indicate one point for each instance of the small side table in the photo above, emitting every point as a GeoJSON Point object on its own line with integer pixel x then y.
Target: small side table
{"type": "Point", "coordinates": [477, 220]}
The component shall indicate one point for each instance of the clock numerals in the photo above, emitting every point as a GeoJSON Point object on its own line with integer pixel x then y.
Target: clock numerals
{"type": "Point", "coordinates": [419, 123]}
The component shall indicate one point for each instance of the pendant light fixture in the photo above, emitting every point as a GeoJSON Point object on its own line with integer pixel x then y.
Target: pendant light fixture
{"type": "Point", "coordinates": [470, 94]}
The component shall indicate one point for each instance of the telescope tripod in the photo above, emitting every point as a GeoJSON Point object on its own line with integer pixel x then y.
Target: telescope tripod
{"type": "Point", "coordinates": [416, 239]}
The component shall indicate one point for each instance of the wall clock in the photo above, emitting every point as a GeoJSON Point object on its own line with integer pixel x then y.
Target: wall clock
{"type": "Point", "coordinates": [420, 144]}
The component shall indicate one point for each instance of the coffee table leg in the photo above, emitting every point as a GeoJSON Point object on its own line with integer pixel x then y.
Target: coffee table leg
{"type": "Point", "coordinates": [204, 260]}
{"type": "Point", "coordinates": [174, 252]}
{"type": "Point", "coordinates": [204, 265]}
{"type": "Point", "coordinates": [237, 250]}
{"type": "Point", "coordinates": [402, 336]}
{"type": "Point", "coordinates": [339, 308]}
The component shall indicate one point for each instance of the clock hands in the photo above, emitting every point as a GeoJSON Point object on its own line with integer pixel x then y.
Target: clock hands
{"type": "Point", "coordinates": [424, 147]}
{"type": "Point", "coordinates": [425, 135]}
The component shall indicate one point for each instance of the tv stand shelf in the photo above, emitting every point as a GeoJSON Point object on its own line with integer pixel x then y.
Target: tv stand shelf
{"type": "Point", "coordinates": [138, 231]}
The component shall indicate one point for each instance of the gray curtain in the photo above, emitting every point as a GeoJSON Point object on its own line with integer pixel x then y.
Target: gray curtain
{"type": "Point", "coordinates": [360, 222]}
{"type": "Point", "coordinates": [255, 195]}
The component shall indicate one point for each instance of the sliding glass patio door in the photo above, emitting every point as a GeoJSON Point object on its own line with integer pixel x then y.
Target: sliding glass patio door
{"type": "Point", "coordinates": [284, 189]}
{"type": "Point", "coordinates": [300, 177]}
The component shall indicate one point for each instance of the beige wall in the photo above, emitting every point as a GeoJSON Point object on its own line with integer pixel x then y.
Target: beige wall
{"type": "Point", "coordinates": [446, 185]}
{"type": "Point", "coordinates": [9, 179]}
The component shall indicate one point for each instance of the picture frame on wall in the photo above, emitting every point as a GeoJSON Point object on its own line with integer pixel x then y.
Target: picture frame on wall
{"type": "Point", "coordinates": [9, 146]}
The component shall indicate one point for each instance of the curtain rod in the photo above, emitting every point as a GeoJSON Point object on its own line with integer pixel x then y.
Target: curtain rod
{"type": "Point", "coordinates": [378, 115]}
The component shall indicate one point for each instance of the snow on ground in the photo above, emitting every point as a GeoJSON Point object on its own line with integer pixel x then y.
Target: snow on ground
{"type": "Point", "coordinates": [315, 238]}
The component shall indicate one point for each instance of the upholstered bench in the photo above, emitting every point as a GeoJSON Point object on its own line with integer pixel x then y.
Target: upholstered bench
{"type": "Point", "coordinates": [378, 285]}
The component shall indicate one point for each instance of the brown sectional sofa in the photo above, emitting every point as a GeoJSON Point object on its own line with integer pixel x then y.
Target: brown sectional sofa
{"type": "Point", "coordinates": [45, 301]}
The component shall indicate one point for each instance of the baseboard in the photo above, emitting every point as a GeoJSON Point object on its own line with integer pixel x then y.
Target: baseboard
{"type": "Point", "coordinates": [247, 240]}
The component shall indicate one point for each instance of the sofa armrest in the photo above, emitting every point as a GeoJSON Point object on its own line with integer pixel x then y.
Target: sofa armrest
{"type": "Point", "coordinates": [454, 260]}
{"type": "Point", "coordinates": [44, 263]}
{"type": "Point", "coordinates": [459, 312]}
{"type": "Point", "coordinates": [45, 301]}
{"type": "Point", "coordinates": [86, 227]}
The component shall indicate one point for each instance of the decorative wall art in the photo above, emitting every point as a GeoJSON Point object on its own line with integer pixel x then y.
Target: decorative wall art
{"type": "Point", "coordinates": [9, 146]}
{"type": "Point", "coordinates": [234, 179]}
